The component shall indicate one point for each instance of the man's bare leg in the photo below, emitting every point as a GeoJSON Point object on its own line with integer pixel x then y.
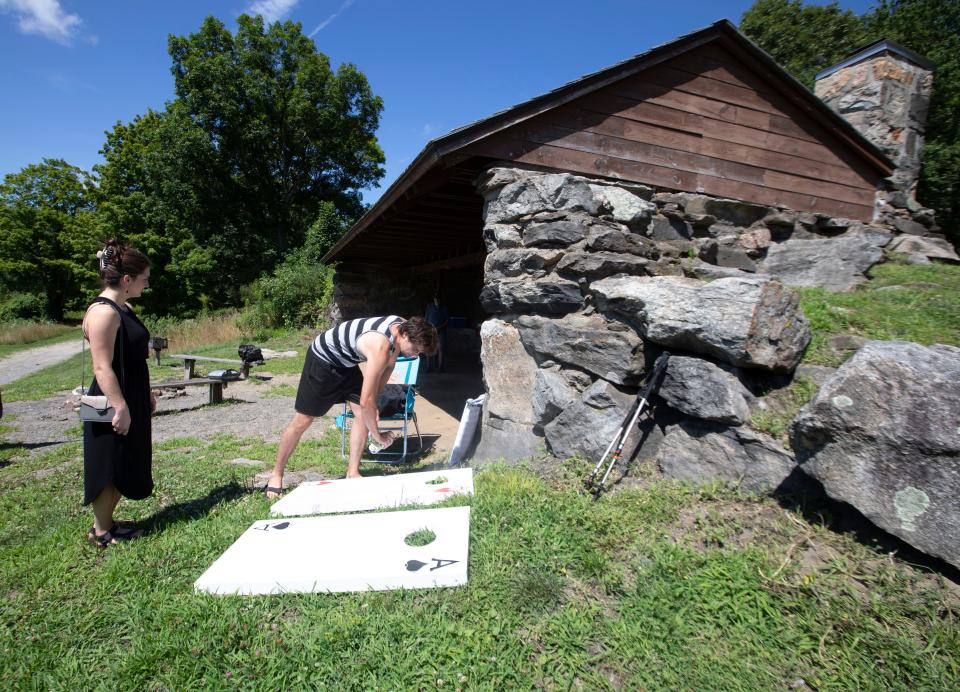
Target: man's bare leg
{"type": "Point", "coordinates": [358, 440]}
{"type": "Point", "coordinates": [288, 442]}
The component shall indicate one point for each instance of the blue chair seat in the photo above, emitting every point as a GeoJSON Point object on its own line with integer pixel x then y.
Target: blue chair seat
{"type": "Point", "coordinates": [406, 374]}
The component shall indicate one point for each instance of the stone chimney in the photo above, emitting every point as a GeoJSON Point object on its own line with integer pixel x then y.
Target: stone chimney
{"type": "Point", "coordinates": [883, 90]}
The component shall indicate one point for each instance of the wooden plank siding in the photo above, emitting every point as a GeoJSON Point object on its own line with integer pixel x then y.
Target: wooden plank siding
{"type": "Point", "coordinates": [701, 122]}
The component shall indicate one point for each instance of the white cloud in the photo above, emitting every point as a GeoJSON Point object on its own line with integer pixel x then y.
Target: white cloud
{"type": "Point", "coordinates": [427, 130]}
{"type": "Point", "coordinates": [44, 17]}
{"type": "Point", "coordinates": [272, 10]}
{"type": "Point", "coordinates": [323, 25]}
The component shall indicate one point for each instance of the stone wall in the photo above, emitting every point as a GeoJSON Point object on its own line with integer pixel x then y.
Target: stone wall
{"type": "Point", "coordinates": [361, 290]}
{"type": "Point", "coordinates": [587, 281]}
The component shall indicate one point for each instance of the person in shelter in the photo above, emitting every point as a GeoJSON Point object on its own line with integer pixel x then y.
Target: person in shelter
{"type": "Point", "coordinates": [438, 315]}
{"type": "Point", "coordinates": [117, 456]}
{"type": "Point", "coordinates": [331, 375]}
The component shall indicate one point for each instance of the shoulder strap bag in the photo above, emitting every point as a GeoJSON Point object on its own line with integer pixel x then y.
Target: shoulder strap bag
{"type": "Point", "coordinates": [97, 409]}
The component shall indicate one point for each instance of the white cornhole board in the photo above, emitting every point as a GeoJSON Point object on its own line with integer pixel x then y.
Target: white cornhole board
{"type": "Point", "coordinates": [355, 552]}
{"type": "Point", "coordinates": [374, 492]}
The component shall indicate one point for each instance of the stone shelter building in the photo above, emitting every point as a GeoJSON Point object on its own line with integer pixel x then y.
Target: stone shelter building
{"type": "Point", "coordinates": [700, 174]}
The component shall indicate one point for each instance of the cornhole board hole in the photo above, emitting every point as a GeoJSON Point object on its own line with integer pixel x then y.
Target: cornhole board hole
{"type": "Point", "coordinates": [374, 492]}
{"type": "Point", "coordinates": [355, 552]}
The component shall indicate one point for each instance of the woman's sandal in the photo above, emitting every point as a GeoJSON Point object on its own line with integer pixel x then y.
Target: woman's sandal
{"type": "Point", "coordinates": [116, 534]}
{"type": "Point", "coordinates": [277, 492]}
{"type": "Point", "coordinates": [118, 524]}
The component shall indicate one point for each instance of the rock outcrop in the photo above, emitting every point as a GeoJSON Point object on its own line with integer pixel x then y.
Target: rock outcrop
{"type": "Point", "coordinates": [883, 434]}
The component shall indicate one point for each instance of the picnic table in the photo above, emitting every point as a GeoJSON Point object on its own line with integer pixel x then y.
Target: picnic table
{"type": "Point", "coordinates": [189, 361]}
{"type": "Point", "coordinates": [216, 386]}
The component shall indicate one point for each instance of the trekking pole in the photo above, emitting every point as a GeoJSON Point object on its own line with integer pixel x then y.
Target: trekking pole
{"type": "Point", "coordinates": [617, 443]}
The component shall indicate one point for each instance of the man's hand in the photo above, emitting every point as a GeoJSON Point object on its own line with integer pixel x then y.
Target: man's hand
{"type": "Point", "coordinates": [386, 439]}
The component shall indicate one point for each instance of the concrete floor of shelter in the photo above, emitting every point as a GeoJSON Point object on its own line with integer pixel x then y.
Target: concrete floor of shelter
{"type": "Point", "coordinates": [440, 400]}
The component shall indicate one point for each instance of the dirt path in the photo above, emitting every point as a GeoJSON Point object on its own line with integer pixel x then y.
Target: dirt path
{"type": "Point", "coordinates": [24, 363]}
{"type": "Point", "coordinates": [250, 409]}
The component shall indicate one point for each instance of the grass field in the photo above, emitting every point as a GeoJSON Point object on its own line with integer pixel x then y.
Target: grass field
{"type": "Point", "coordinates": [65, 376]}
{"type": "Point", "coordinates": [662, 587]}
{"type": "Point", "coordinates": [659, 585]}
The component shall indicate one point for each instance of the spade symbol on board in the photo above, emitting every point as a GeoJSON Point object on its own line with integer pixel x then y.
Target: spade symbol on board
{"type": "Point", "coordinates": [415, 565]}
{"type": "Point", "coordinates": [279, 527]}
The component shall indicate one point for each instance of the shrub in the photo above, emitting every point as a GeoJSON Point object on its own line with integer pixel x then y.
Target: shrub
{"type": "Point", "coordinates": [22, 306]}
{"type": "Point", "coordinates": [295, 295]}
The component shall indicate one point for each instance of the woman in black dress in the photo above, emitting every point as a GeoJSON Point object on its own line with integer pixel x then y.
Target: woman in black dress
{"type": "Point", "coordinates": [117, 456]}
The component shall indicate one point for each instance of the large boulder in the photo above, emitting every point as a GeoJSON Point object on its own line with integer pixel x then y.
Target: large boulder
{"type": "Point", "coordinates": [598, 265]}
{"type": "Point", "coordinates": [703, 451]}
{"type": "Point", "coordinates": [514, 262]}
{"type": "Point", "coordinates": [611, 238]}
{"type": "Point", "coordinates": [837, 264]}
{"type": "Point", "coordinates": [501, 236]}
{"type": "Point", "coordinates": [746, 322]}
{"type": "Point", "coordinates": [701, 389]}
{"type": "Point", "coordinates": [509, 377]}
{"type": "Point", "coordinates": [625, 206]}
{"type": "Point", "coordinates": [931, 248]}
{"type": "Point", "coordinates": [556, 233]}
{"type": "Point", "coordinates": [883, 434]}
{"type": "Point", "coordinates": [511, 194]}
{"type": "Point", "coordinates": [586, 427]}
{"type": "Point", "coordinates": [550, 295]}
{"type": "Point", "coordinates": [551, 396]}
{"type": "Point", "coordinates": [603, 347]}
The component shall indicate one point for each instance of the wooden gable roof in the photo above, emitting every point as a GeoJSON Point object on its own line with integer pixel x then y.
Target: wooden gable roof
{"type": "Point", "coordinates": [709, 112]}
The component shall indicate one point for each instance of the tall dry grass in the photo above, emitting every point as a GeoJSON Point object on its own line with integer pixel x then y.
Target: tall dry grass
{"type": "Point", "coordinates": [28, 332]}
{"type": "Point", "coordinates": [201, 331]}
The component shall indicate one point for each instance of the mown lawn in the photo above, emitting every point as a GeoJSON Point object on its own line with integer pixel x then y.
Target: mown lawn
{"type": "Point", "coordinates": [665, 586]}
{"type": "Point", "coordinates": [658, 586]}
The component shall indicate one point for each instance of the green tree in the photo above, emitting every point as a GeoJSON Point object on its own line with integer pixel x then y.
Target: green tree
{"type": "Point", "coordinates": [803, 39]}
{"type": "Point", "coordinates": [155, 209]}
{"type": "Point", "coordinates": [227, 180]}
{"type": "Point", "coordinates": [325, 231]}
{"type": "Point", "coordinates": [807, 38]}
{"type": "Point", "coordinates": [47, 232]}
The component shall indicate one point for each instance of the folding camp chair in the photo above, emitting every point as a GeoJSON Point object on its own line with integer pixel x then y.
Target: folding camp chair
{"type": "Point", "coordinates": [405, 374]}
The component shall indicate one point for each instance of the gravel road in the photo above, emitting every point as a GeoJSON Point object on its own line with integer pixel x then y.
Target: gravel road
{"type": "Point", "coordinates": [23, 363]}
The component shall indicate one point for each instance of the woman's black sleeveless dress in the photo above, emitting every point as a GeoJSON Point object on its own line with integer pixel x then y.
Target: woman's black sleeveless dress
{"type": "Point", "coordinates": [124, 460]}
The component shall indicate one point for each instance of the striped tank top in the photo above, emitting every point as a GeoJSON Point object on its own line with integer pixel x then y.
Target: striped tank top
{"type": "Point", "coordinates": [338, 345]}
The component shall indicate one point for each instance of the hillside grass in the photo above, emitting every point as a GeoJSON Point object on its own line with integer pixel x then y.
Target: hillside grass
{"type": "Point", "coordinates": [918, 303]}
{"type": "Point", "coordinates": [662, 587]}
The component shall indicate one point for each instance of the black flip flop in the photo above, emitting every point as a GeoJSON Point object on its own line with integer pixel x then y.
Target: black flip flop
{"type": "Point", "coordinates": [276, 491]}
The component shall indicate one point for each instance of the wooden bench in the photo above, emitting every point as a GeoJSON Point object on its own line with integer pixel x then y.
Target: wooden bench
{"type": "Point", "coordinates": [190, 361]}
{"type": "Point", "coordinates": [216, 386]}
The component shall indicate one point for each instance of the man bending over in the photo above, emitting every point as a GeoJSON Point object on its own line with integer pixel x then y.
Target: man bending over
{"type": "Point", "coordinates": [330, 375]}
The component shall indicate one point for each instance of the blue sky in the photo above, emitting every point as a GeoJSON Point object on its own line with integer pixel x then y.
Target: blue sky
{"type": "Point", "coordinates": [76, 67]}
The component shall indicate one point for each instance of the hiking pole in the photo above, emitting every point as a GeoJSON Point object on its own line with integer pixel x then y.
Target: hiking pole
{"type": "Point", "coordinates": [617, 443]}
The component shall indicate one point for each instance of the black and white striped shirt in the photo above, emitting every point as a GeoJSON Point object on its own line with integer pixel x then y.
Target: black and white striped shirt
{"type": "Point", "coordinates": [338, 345]}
